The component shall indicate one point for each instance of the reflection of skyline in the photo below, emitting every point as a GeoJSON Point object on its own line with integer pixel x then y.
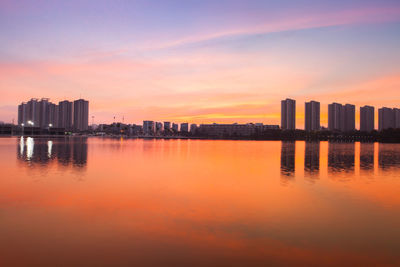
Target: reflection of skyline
{"type": "Point", "coordinates": [311, 157]}
{"type": "Point", "coordinates": [367, 151]}
{"type": "Point", "coordinates": [288, 153]}
{"type": "Point", "coordinates": [65, 150]}
{"type": "Point", "coordinates": [341, 157]}
{"type": "Point", "coordinates": [388, 156]}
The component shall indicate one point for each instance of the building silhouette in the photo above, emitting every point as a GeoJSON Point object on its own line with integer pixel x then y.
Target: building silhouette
{"type": "Point", "coordinates": [65, 111]}
{"type": "Point", "coordinates": [33, 111]}
{"type": "Point", "coordinates": [233, 130]}
{"type": "Point", "coordinates": [341, 118]}
{"type": "Point", "coordinates": [44, 110]}
{"type": "Point", "coordinates": [184, 127]}
{"type": "Point", "coordinates": [175, 127]}
{"type": "Point", "coordinates": [288, 114]}
{"type": "Point", "coordinates": [312, 116]}
{"type": "Point", "coordinates": [367, 119]}
{"type": "Point", "coordinates": [335, 117]}
{"type": "Point", "coordinates": [53, 115]}
{"type": "Point", "coordinates": [396, 112]}
{"type": "Point", "coordinates": [148, 127]}
{"type": "Point", "coordinates": [159, 127]}
{"type": "Point", "coordinates": [22, 113]}
{"type": "Point", "coordinates": [44, 114]}
{"type": "Point", "coordinates": [193, 128]}
{"type": "Point", "coordinates": [386, 118]}
{"type": "Point", "coordinates": [349, 118]}
{"type": "Point", "coordinates": [81, 115]}
{"type": "Point", "coordinates": [167, 125]}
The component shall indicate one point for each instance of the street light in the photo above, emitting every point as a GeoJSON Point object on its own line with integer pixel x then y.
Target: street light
{"type": "Point", "coordinates": [22, 124]}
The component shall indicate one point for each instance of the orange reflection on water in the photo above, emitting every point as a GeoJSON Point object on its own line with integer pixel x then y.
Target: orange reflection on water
{"type": "Point", "coordinates": [179, 202]}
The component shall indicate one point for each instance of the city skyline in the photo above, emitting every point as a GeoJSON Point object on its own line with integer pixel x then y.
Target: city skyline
{"type": "Point", "coordinates": [341, 117]}
{"type": "Point", "coordinates": [44, 114]}
{"type": "Point", "coordinates": [225, 67]}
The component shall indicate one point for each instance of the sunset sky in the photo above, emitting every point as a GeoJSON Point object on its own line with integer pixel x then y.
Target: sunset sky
{"type": "Point", "coordinates": [199, 60]}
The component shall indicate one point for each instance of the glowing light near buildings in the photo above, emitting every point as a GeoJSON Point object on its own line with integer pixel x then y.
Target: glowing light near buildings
{"type": "Point", "coordinates": [21, 146]}
{"type": "Point", "coordinates": [49, 148]}
{"type": "Point", "coordinates": [29, 147]}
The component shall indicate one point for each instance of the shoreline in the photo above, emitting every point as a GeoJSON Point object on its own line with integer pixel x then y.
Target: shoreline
{"type": "Point", "coordinates": [346, 139]}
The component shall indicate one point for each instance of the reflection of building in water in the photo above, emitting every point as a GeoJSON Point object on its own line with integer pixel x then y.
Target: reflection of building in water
{"type": "Point", "coordinates": [367, 156]}
{"type": "Point", "coordinates": [80, 151]}
{"type": "Point", "coordinates": [341, 156]}
{"type": "Point", "coordinates": [288, 152]}
{"type": "Point", "coordinates": [65, 150]}
{"type": "Point", "coordinates": [389, 156]}
{"type": "Point", "coordinates": [311, 157]}
{"type": "Point", "coordinates": [32, 150]}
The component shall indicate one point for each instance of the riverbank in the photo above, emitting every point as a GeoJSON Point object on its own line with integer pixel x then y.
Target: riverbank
{"type": "Point", "coordinates": [334, 138]}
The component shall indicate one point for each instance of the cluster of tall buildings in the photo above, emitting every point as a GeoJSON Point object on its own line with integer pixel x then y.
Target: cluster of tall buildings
{"type": "Point", "coordinates": [340, 117]}
{"type": "Point", "coordinates": [389, 118]}
{"type": "Point", "coordinates": [71, 116]}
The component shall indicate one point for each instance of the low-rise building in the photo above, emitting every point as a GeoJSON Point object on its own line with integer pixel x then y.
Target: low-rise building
{"type": "Point", "coordinates": [232, 130]}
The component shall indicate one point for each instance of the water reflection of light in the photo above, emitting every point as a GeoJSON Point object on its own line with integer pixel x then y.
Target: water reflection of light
{"type": "Point", "coordinates": [49, 147]}
{"type": "Point", "coordinates": [21, 146]}
{"type": "Point", "coordinates": [29, 147]}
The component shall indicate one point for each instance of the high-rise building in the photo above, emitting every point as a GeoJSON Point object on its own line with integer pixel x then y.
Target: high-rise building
{"type": "Point", "coordinates": [167, 125]}
{"type": "Point", "coordinates": [81, 115]}
{"type": "Point", "coordinates": [44, 113]}
{"type": "Point", "coordinates": [22, 114]}
{"type": "Point", "coordinates": [349, 118]}
{"type": "Point", "coordinates": [288, 114]}
{"type": "Point", "coordinates": [312, 116]}
{"type": "Point", "coordinates": [341, 118]}
{"type": "Point", "coordinates": [367, 119]}
{"type": "Point", "coordinates": [148, 127]}
{"type": "Point", "coordinates": [396, 115]}
{"type": "Point", "coordinates": [175, 127]}
{"type": "Point", "coordinates": [65, 111]}
{"type": "Point", "coordinates": [159, 126]}
{"type": "Point", "coordinates": [193, 128]}
{"type": "Point", "coordinates": [53, 115]}
{"type": "Point", "coordinates": [335, 115]}
{"type": "Point", "coordinates": [386, 118]}
{"type": "Point", "coordinates": [33, 112]}
{"type": "Point", "coordinates": [185, 127]}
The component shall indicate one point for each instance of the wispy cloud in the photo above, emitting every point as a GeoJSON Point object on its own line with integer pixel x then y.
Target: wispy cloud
{"type": "Point", "coordinates": [297, 22]}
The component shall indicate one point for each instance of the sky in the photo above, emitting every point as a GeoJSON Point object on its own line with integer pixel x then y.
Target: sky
{"type": "Point", "coordinates": [199, 61]}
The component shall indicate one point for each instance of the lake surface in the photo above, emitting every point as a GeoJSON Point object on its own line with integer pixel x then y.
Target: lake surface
{"type": "Point", "coordinates": [115, 202]}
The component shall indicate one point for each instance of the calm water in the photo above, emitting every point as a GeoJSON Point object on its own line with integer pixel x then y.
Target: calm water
{"type": "Point", "coordinates": [108, 202]}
